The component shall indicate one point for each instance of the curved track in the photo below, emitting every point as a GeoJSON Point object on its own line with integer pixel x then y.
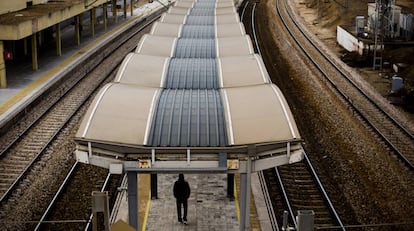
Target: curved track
{"type": "Point", "coordinates": [393, 134]}
{"type": "Point", "coordinates": [297, 186]}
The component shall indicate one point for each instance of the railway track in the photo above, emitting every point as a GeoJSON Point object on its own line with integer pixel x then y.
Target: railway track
{"type": "Point", "coordinates": [74, 185]}
{"type": "Point", "coordinates": [292, 187]}
{"type": "Point", "coordinates": [394, 135]}
{"type": "Point", "coordinates": [297, 187]}
{"type": "Point", "coordinates": [50, 133]}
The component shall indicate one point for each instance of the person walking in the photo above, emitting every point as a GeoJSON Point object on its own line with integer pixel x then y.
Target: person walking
{"type": "Point", "coordinates": [182, 193]}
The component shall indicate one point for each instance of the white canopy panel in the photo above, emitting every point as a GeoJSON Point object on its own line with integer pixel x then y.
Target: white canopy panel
{"type": "Point", "coordinates": [152, 71]}
{"type": "Point", "coordinates": [216, 11]}
{"type": "Point", "coordinates": [190, 4]}
{"type": "Point", "coordinates": [183, 19]}
{"type": "Point", "coordinates": [258, 114]}
{"type": "Point", "coordinates": [122, 113]}
{"type": "Point", "coordinates": [221, 47]}
{"type": "Point", "coordinates": [176, 30]}
{"type": "Point", "coordinates": [119, 114]}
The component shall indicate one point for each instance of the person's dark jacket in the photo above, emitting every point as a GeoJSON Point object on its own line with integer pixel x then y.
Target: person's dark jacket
{"type": "Point", "coordinates": [181, 189]}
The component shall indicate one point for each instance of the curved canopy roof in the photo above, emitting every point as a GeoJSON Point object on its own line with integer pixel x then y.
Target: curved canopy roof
{"type": "Point", "coordinates": [193, 85]}
{"type": "Point", "coordinates": [199, 20]}
{"type": "Point", "coordinates": [195, 48]}
{"type": "Point", "coordinates": [197, 31]}
{"type": "Point", "coordinates": [204, 4]}
{"type": "Point", "coordinates": [154, 71]}
{"type": "Point", "coordinates": [124, 114]}
{"type": "Point", "coordinates": [202, 11]}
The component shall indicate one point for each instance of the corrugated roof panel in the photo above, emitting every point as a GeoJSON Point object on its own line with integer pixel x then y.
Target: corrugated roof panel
{"type": "Point", "coordinates": [200, 20]}
{"type": "Point", "coordinates": [192, 74]}
{"type": "Point", "coordinates": [198, 31]}
{"type": "Point", "coordinates": [189, 118]}
{"type": "Point", "coordinates": [205, 5]}
{"type": "Point", "coordinates": [202, 12]}
{"type": "Point", "coordinates": [195, 48]}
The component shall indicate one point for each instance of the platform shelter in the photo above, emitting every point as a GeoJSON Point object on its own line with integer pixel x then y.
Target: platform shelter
{"type": "Point", "coordinates": [190, 101]}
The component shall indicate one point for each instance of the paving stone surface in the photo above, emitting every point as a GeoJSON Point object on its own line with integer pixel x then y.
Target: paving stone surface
{"type": "Point", "coordinates": [208, 205]}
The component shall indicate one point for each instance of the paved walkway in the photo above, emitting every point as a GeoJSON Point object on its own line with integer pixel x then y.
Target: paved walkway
{"type": "Point", "coordinates": [208, 206]}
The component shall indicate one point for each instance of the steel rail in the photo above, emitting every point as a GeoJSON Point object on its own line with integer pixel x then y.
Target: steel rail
{"type": "Point", "coordinates": [268, 202]}
{"type": "Point", "coordinates": [285, 197]}
{"type": "Point", "coordinates": [244, 9]}
{"type": "Point", "coordinates": [338, 68]}
{"type": "Point", "coordinates": [322, 189]}
{"type": "Point", "coordinates": [57, 194]}
{"type": "Point", "coordinates": [254, 29]}
{"type": "Point", "coordinates": [347, 98]}
{"type": "Point", "coordinates": [104, 186]}
{"type": "Point", "coordinates": [319, 186]}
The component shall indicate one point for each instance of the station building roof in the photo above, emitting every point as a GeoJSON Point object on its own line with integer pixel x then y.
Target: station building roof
{"type": "Point", "coordinates": [23, 23]}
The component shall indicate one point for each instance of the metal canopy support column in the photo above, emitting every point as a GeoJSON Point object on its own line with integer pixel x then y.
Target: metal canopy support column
{"type": "Point", "coordinates": [3, 79]}
{"type": "Point", "coordinates": [245, 182]}
{"type": "Point", "coordinates": [132, 7]}
{"type": "Point", "coordinates": [77, 32]}
{"type": "Point", "coordinates": [245, 198]}
{"type": "Point", "coordinates": [125, 9]}
{"type": "Point", "coordinates": [58, 41]}
{"type": "Point", "coordinates": [34, 52]}
{"type": "Point", "coordinates": [25, 49]}
{"type": "Point", "coordinates": [92, 21]}
{"type": "Point", "coordinates": [154, 186]}
{"type": "Point", "coordinates": [133, 199]}
{"type": "Point", "coordinates": [230, 186]}
{"type": "Point", "coordinates": [114, 11]}
{"type": "Point", "coordinates": [105, 16]}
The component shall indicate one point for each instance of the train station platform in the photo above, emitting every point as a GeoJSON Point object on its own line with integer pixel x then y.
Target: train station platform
{"type": "Point", "coordinates": [209, 208]}
{"type": "Point", "coordinates": [25, 84]}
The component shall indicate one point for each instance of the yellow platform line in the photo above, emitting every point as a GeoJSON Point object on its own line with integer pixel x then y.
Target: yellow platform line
{"type": "Point", "coordinates": [236, 200]}
{"type": "Point", "coordinates": [144, 222]}
{"type": "Point", "coordinates": [254, 220]}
